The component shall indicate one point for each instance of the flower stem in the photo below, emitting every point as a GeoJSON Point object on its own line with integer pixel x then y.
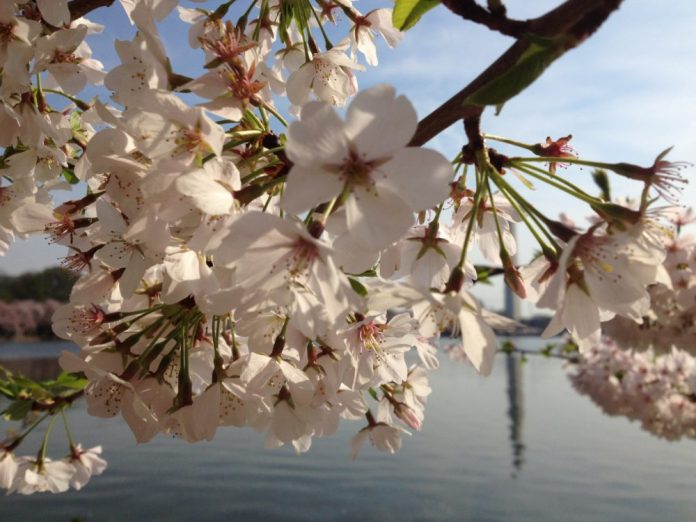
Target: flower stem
{"type": "Point", "coordinates": [531, 170]}
{"type": "Point", "coordinates": [327, 42]}
{"type": "Point", "coordinates": [579, 194]}
{"type": "Point", "coordinates": [82, 105]}
{"type": "Point", "coordinates": [275, 113]}
{"type": "Point", "coordinates": [17, 441]}
{"type": "Point", "coordinates": [44, 444]}
{"type": "Point", "coordinates": [509, 141]}
{"type": "Point", "coordinates": [472, 217]}
{"type": "Point", "coordinates": [71, 442]}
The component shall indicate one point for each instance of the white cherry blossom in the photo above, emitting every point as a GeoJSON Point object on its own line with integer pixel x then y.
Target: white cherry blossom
{"type": "Point", "coordinates": [367, 159]}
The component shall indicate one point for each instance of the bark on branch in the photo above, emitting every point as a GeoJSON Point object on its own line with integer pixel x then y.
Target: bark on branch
{"type": "Point", "coordinates": [79, 8]}
{"type": "Point", "coordinates": [574, 19]}
{"type": "Point", "coordinates": [496, 21]}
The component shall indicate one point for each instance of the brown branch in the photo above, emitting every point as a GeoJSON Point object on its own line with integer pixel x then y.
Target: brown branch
{"type": "Point", "coordinates": [574, 19]}
{"type": "Point", "coordinates": [494, 20]}
{"type": "Point", "coordinates": [79, 8]}
{"type": "Point", "coordinates": [57, 402]}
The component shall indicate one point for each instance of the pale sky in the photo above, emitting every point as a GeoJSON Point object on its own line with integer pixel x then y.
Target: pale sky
{"type": "Point", "coordinates": [625, 94]}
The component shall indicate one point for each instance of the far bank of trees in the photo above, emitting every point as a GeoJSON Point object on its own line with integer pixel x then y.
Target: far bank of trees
{"type": "Point", "coordinates": [28, 301]}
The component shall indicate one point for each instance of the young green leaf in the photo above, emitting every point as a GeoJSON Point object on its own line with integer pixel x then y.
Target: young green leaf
{"type": "Point", "coordinates": [407, 12]}
{"type": "Point", "coordinates": [70, 177]}
{"type": "Point", "coordinates": [533, 62]}
{"type": "Point", "coordinates": [358, 287]}
{"type": "Point", "coordinates": [17, 410]}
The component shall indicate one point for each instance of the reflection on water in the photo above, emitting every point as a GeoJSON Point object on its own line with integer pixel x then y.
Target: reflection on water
{"type": "Point", "coordinates": [515, 393]}
{"type": "Point", "coordinates": [578, 465]}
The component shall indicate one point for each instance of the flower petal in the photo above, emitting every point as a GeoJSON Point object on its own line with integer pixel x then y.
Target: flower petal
{"type": "Point", "coordinates": [422, 176]}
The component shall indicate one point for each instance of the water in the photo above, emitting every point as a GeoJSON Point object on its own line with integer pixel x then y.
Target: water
{"type": "Point", "coordinates": [560, 459]}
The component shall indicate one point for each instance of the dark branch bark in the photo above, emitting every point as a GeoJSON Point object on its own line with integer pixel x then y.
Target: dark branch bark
{"type": "Point", "coordinates": [57, 402]}
{"type": "Point", "coordinates": [496, 21]}
{"type": "Point", "coordinates": [79, 8]}
{"type": "Point", "coordinates": [575, 19]}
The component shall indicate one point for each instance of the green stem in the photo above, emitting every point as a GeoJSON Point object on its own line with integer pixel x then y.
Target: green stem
{"type": "Point", "coordinates": [571, 160]}
{"type": "Point", "coordinates": [44, 444]}
{"type": "Point", "coordinates": [256, 173]}
{"type": "Point", "coordinates": [71, 442]}
{"type": "Point", "coordinates": [472, 218]}
{"type": "Point", "coordinates": [261, 154]}
{"type": "Point", "coordinates": [327, 42]}
{"type": "Point", "coordinates": [80, 103]}
{"type": "Point", "coordinates": [513, 195]}
{"type": "Point", "coordinates": [241, 23]}
{"type": "Point", "coordinates": [264, 116]}
{"type": "Point", "coordinates": [275, 113]}
{"type": "Point", "coordinates": [560, 186]}
{"type": "Point", "coordinates": [509, 141]}
{"type": "Point", "coordinates": [18, 440]}
{"type": "Point", "coordinates": [327, 211]}
{"type": "Point", "coordinates": [501, 244]}
{"type": "Point", "coordinates": [522, 215]}
{"type": "Point", "coordinates": [531, 169]}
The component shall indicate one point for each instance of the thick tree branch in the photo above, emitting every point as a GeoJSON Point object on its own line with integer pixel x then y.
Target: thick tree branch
{"type": "Point", "coordinates": [79, 8]}
{"type": "Point", "coordinates": [496, 21]}
{"type": "Point", "coordinates": [574, 19]}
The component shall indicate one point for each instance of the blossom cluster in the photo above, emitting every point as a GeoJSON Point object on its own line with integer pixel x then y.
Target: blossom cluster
{"type": "Point", "coordinates": [236, 275]}
{"type": "Point", "coordinates": [670, 321]}
{"type": "Point", "coordinates": [27, 475]}
{"type": "Point", "coordinates": [656, 389]}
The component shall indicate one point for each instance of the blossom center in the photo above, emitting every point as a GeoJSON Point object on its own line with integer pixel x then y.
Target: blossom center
{"type": "Point", "coordinates": [302, 256]}
{"type": "Point", "coordinates": [371, 335]}
{"type": "Point", "coordinates": [65, 57]}
{"type": "Point", "coordinates": [356, 171]}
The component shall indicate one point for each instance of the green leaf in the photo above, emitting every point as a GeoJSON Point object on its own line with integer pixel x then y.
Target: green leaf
{"type": "Point", "coordinates": [533, 62]}
{"type": "Point", "coordinates": [507, 347]}
{"type": "Point", "coordinates": [358, 287]}
{"type": "Point", "coordinates": [407, 12]}
{"type": "Point", "coordinates": [71, 381]}
{"type": "Point", "coordinates": [17, 410]}
{"type": "Point", "coordinates": [70, 177]}
{"type": "Point", "coordinates": [602, 181]}
{"type": "Point", "coordinates": [484, 273]}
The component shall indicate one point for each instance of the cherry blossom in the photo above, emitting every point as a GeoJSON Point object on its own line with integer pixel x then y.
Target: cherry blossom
{"type": "Point", "coordinates": [86, 463]}
{"type": "Point", "coordinates": [237, 270]}
{"type": "Point", "coordinates": [366, 159]}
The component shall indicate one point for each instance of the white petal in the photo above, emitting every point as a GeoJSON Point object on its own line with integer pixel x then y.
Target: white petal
{"type": "Point", "coordinates": [478, 341]}
{"type": "Point", "coordinates": [422, 176]}
{"type": "Point", "coordinates": [208, 195]}
{"type": "Point", "coordinates": [318, 137]}
{"type": "Point", "coordinates": [55, 12]}
{"type": "Point", "coordinates": [301, 387]}
{"type": "Point", "coordinates": [377, 219]}
{"type": "Point", "coordinates": [300, 83]}
{"type": "Point", "coordinates": [309, 186]}
{"type": "Point", "coordinates": [379, 123]}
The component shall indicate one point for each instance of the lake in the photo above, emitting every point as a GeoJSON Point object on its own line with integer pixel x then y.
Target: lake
{"type": "Point", "coordinates": [520, 445]}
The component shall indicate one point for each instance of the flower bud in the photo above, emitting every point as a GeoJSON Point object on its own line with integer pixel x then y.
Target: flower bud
{"type": "Point", "coordinates": [512, 275]}
{"type": "Point", "coordinates": [407, 415]}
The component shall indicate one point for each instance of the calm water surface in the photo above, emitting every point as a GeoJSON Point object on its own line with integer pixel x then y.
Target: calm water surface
{"type": "Point", "coordinates": [520, 445]}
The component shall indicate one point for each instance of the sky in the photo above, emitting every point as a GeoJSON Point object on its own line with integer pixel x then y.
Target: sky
{"type": "Point", "coordinates": [625, 94]}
